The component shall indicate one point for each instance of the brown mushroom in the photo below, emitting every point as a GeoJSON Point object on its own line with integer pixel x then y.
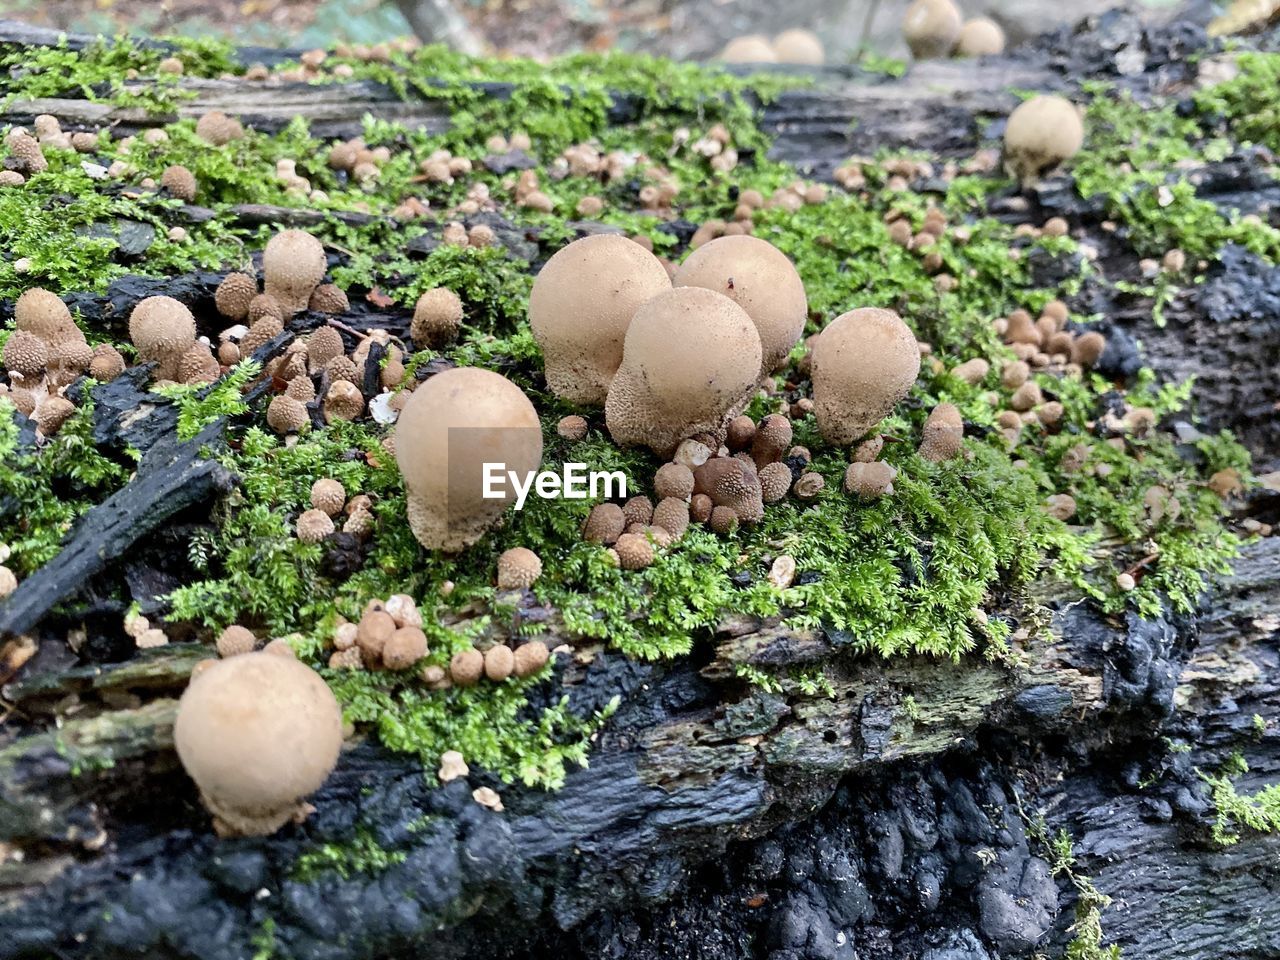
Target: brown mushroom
{"type": "Point", "coordinates": [437, 317]}
{"type": "Point", "coordinates": [863, 364]}
{"type": "Point", "coordinates": [1042, 133]}
{"type": "Point", "coordinates": [518, 569]}
{"type": "Point", "coordinates": [293, 264]}
{"type": "Point", "coordinates": [163, 330]}
{"type": "Point", "coordinates": [931, 28]}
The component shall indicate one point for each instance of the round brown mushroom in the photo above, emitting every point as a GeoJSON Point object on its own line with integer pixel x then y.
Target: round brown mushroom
{"type": "Point", "coordinates": [799, 46]}
{"type": "Point", "coordinates": [1042, 134]}
{"type": "Point", "coordinates": [518, 569]}
{"type": "Point", "coordinates": [931, 28]}
{"type": "Point", "coordinates": [179, 182]}
{"type": "Point", "coordinates": [689, 364]}
{"type": "Point", "coordinates": [863, 364]}
{"type": "Point", "coordinates": [329, 298]}
{"type": "Point", "coordinates": [328, 496]}
{"type": "Point", "coordinates": [45, 315]}
{"type": "Point", "coordinates": [257, 733]}
{"type": "Point", "coordinates": [453, 425]}
{"type": "Point", "coordinates": [217, 128]}
{"type": "Point", "coordinates": [466, 667]}
{"type": "Point", "coordinates": [499, 662]}
{"type": "Point", "coordinates": [106, 364]}
{"type": "Point", "coordinates": [234, 294]}
{"type": "Point", "coordinates": [437, 318]}
{"type": "Point", "coordinates": [235, 640]}
{"type": "Point", "coordinates": [163, 330]}
{"type": "Point", "coordinates": [293, 265]}
{"type": "Point", "coordinates": [635, 552]}
{"type": "Point", "coordinates": [980, 37]}
{"type": "Point", "coordinates": [530, 658]}
{"type": "Point", "coordinates": [605, 523]}
{"type": "Point", "coordinates": [405, 647]}
{"type": "Point", "coordinates": [752, 48]}
{"type": "Point", "coordinates": [869, 480]}
{"type": "Point", "coordinates": [581, 307]}
{"type": "Point", "coordinates": [26, 355]}
{"type": "Point", "coordinates": [943, 435]}
{"type": "Point", "coordinates": [673, 480]}
{"type": "Point", "coordinates": [758, 277]}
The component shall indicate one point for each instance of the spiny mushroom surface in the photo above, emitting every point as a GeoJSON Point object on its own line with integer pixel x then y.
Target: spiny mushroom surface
{"type": "Point", "coordinates": [581, 306]}
{"type": "Point", "coordinates": [1042, 134]}
{"type": "Point", "coordinates": [689, 364]}
{"type": "Point", "coordinates": [758, 277]}
{"type": "Point", "coordinates": [863, 364]}
{"type": "Point", "coordinates": [451, 426]}
{"type": "Point", "coordinates": [258, 733]}
{"type": "Point", "coordinates": [293, 265]}
{"type": "Point", "coordinates": [163, 330]}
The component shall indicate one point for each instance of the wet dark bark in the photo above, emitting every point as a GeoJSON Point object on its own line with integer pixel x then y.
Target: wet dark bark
{"type": "Point", "coordinates": [715, 820]}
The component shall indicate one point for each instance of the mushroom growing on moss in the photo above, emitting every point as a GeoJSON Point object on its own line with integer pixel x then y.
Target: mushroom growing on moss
{"type": "Point", "coordinates": [437, 317]}
{"type": "Point", "coordinates": [258, 733]}
{"type": "Point", "coordinates": [931, 28]}
{"type": "Point", "coordinates": [1042, 134]}
{"type": "Point", "coordinates": [217, 128]}
{"type": "Point", "coordinates": [293, 265]}
{"type": "Point", "coordinates": [943, 435]}
{"type": "Point", "coordinates": [869, 480]}
{"type": "Point", "coordinates": [581, 307]}
{"type": "Point", "coordinates": [163, 330]}
{"type": "Point", "coordinates": [518, 569]}
{"type": "Point", "coordinates": [758, 277]}
{"type": "Point", "coordinates": [25, 354]}
{"type": "Point", "coordinates": [451, 426]}
{"type": "Point", "coordinates": [690, 362]}
{"type": "Point", "coordinates": [45, 315]}
{"type": "Point", "coordinates": [234, 294]}
{"type": "Point", "coordinates": [863, 364]}
{"type": "Point", "coordinates": [179, 182]}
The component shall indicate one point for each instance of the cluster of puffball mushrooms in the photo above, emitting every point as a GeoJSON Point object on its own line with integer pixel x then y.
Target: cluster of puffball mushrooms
{"type": "Point", "coordinates": [936, 28]}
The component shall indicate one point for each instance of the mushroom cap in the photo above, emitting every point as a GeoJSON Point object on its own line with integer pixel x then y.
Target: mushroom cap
{"type": "Point", "coordinates": [931, 28]}
{"type": "Point", "coordinates": [531, 657]}
{"type": "Point", "coordinates": [635, 552]}
{"type": "Point", "coordinates": [732, 482]}
{"type": "Point", "coordinates": [236, 640]}
{"type": "Point", "coordinates": [499, 662]}
{"type": "Point", "coordinates": [451, 426]}
{"type": "Point", "coordinates": [605, 523]}
{"type": "Point", "coordinates": [162, 329]}
{"type": "Point", "coordinates": [343, 401]}
{"type": "Point", "coordinates": [52, 413]}
{"type": "Point", "coordinates": [329, 298]}
{"type": "Point", "coordinates": [328, 495]}
{"type": "Point", "coordinates": [752, 48]}
{"type": "Point", "coordinates": [690, 361]}
{"type": "Point", "coordinates": [25, 353]}
{"type": "Point", "coordinates": [1087, 348]}
{"type": "Point", "coordinates": [1041, 134]}
{"type": "Point", "coordinates": [864, 362]}
{"type": "Point", "coordinates": [943, 435]}
{"type": "Point", "coordinates": [581, 307]}
{"type": "Point", "coordinates": [44, 314]}
{"type": "Point", "coordinates": [980, 37]}
{"type": "Point", "coordinates": [405, 647]}
{"type": "Point", "coordinates": [180, 182]}
{"type": "Point", "coordinates": [293, 264]}
{"type": "Point", "coordinates": [672, 515]}
{"type": "Point", "coordinates": [264, 306]}
{"type": "Point", "coordinates": [775, 481]}
{"type": "Point", "coordinates": [198, 365]}
{"type": "Point", "coordinates": [869, 480]}
{"type": "Point", "coordinates": [234, 294]}
{"type": "Point", "coordinates": [257, 733]}
{"type": "Point", "coordinates": [638, 510]}
{"type": "Point", "coordinates": [466, 667]}
{"type": "Point", "coordinates": [673, 480]}
{"type": "Point", "coordinates": [572, 427]}
{"type": "Point", "coordinates": [107, 363]}
{"type": "Point", "coordinates": [437, 317]}
{"type": "Point", "coordinates": [760, 278]}
{"type": "Point", "coordinates": [314, 525]}
{"type": "Point", "coordinates": [286, 415]}
{"type": "Point", "coordinates": [217, 128]}
{"type": "Point", "coordinates": [518, 569]}
{"type": "Point", "coordinates": [322, 346]}
{"type": "Point", "coordinates": [771, 439]}
{"type": "Point", "coordinates": [799, 46]}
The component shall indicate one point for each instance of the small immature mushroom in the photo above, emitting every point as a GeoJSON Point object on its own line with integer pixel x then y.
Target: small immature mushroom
{"type": "Point", "coordinates": [466, 667]}
{"type": "Point", "coordinates": [25, 151]}
{"type": "Point", "coordinates": [775, 481]}
{"type": "Point", "coordinates": [760, 278]}
{"type": "Point", "coordinates": [673, 480]}
{"type": "Point", "coordinates": [487, 797]}
{"type": "Point", "coordinates": [264, 307]}
{"type": "Point", "coordinates": [581, 307]}
{"type": "Point", "coordinates": [518, 569]}
{"type": "Point", "coordinates": [700, 508]}
{"type": "Point", "coordinates": [106, 364]}
{"type": "Point", "coordinates": [864, 362]}
{"type": "Point", "coordinates": [799, 46]}
{"type": "Point", "coordinates": [329, 298]}
{"type": "Point", "coordinates": [672, 515]}
{"type": "Point", "coordinates": [286, 415]}
{"type": "Point", "coordinates": [11, 178]}
{"type": "Point", "coordinates": [52, 413]}
{"type": "Point", "coordinates": [1015, 374]}
{"type": "Point", "coordinates": [8, 581]}
{"type": "Point", "coordinates": [437, 318]}
{"type": "Point", "coordinates": [163, 330]}
{"type": "Point", "coordinates": [452, 766]}
{"type": "Point", "coordinates": [809, 485]}
{"type": "Point", "coordinates": [869, 480]}
{"type": "Point", "coordinates": [235, 640]}
{"type": "Point", "coordinates": [257, 733]}
{"type": "Point", "coordinates": [733, 483]}
{"type": "Point", "coordinates": [752, 48]}
{"type": "Point", "coordinates": [373, 632]}
{"type": "Point", "coordinates": [931, 28]}
{"type": "Point", "coordinates": [943, 434]}
{"type": "Point", "coordinates": [980, 37]}
{"type": "Point", "coordinates": [179, 182]}
{"type": "Point", "coordinates": [690, 361]}
{"type": "Point", "coordinates": [771, 440]}
{"type": "Point", "coordinates": [605, 523]}
{"type": "Point", "coordinates": [314, 525]}
{"type": "Point", "coordinates": [293, 264]}
{"type": "Point", "coordinates": [217, 128]}
{"type": "Point", "coordinates": [234, 294]}
{"type": "Point", "coordinates": [723, 520]}
{"type": "Point", "coordinates": [450, 427]}
{"type": "Point", "coordinates": [1042, 134]}
{"type": "Point", "coordinates": [25, 354]}
{"type": "Point", "coordinates": [1026, 397]}
{"type": "Point", "coordinates": [301, 389]}
{"type": "Point", "coordinates": [328, 496]}
{"type": "Point", "coordinates": [740, 432]}
{"type": "Point", "coordinates": [499, 662]}
{"type": "Point", "coordinates": [1087, 348]}
{"type": "Point", "coordinates": [572, 427]}
{"type": "Point", "coordinates": [1061, 506]}
{"type": "Point", "coordinates": [638, 510]}
{"type": "Point", "coordinates": [972, 371]}
{"type": "Point", "coordinates": [530, 658]}
{"type": "Point", "coordinates": [634, 551]}
{"type": "Point", "coordinates": [198, 365]}
{"type": "Point", "coordinates": [405, 647]}
{"type": "Point", "coordinates": [343, 401]}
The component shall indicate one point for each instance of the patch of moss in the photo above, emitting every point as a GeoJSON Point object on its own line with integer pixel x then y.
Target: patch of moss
{"type": "Point", "coordinates": [361, 854]}
{"type": "Point", "coordinates": [1234, 812]}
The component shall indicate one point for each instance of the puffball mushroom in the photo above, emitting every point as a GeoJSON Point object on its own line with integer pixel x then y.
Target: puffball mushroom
{"type": "Point", "coordinates": [258, 733]}
{"type": "Point", "coordinates": [980, 37]}
{"type": "Point", "coordinates": [163, 330]}
{"type": "Point", "coordinates": [931, 28]}
{"type": "Point", "coordinates": [752, 48]}
{"type": "Point", "coordinates": [451, 426]}
{"type": "Point", "coordinates": [581, 306]}
{"type": "Point", "coordinates": [758, 277]}
{"type": "Point", "coordinates": [690, 361]}
{"type": "Point", "coordinates": [863, 364]}
{"type": "Point", "coordinates": [45, 315]}
{"type": "Point", "coordinates": [234, 294]}
{"type": "Point", "coordinates": [1042, 133]}
{"type": "Point", "coordinates": [437, 317]}
{"type": "Point", "coordinates": [293, 264]}
{"type": "Point", "coordinates": [799, 46]}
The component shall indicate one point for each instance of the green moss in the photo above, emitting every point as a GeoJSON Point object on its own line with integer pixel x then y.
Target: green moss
{"type": "Point", "coordinates": [1234, 812]}
{"type": "Point", "coordinates": [1059, 850]}
{"type": "Point", "coordinates": [360, 855]}
{"type": "Point", "coordinates": [199, 404]}
{"type": "Point", "coordinates": [1246, 104]}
